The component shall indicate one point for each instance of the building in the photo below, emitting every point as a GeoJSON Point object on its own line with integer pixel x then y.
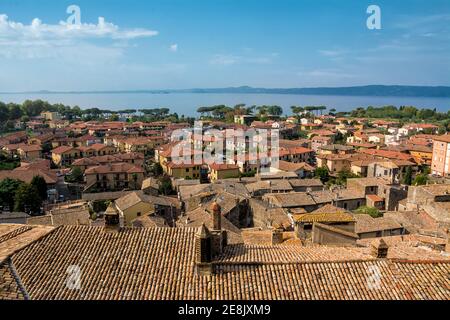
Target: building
{"type": "Point", "coordinates": [65, 155]}
{"type": "Point", "coordinates": [197, 264]}
{"type": "Point", "coordinates": [440, 164]}
{"type": "Point", "coordinates": [223, 171]}
{"type": "Point", "coordinates": [51, 116]}
{"type": "Point", "coordinates": [114, 176]}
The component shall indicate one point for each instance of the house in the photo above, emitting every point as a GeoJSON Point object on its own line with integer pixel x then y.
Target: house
{"type": "Point", "coordinates": [327, 215]}
{"type": "Point", "coordinates": [185, 170]}
{"type": "Point", "coordinates": [304, 185]}
{"type": "Point", "coordinates": [440, 164]}
{"type": "Point", "coordinates": [296, 154]}
{"type": "Point", "coordinates": [318, 142]}
{"type": "Point", "coordinates": [368, 227]}
{"type": "Point", "coordinates": [133, 158]}
{"type": "Point", "coordinates": [244, 119]}
{"type": "Point", "coordinates": [260, 188]}
{"type": "Point", "coordinates": [114, 176]}
{"type": "Point", "coordinates": [52, 116]}
{"type": "Point", "coordinates": [336, 149]}
{"type": "Point", "coordinates": [97, 149]}
{"type": "Point", "coordinates": [29, 151]}
{"type": "Point", "coordinates": [223, 171]}
{"type": "Point", "coordinates": [65, 155]}
{"type": "Point", "coordinates": [301, 169]}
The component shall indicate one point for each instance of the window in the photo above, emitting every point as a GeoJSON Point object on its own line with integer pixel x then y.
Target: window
{"type": "Point", "coordinates": [138, 214]}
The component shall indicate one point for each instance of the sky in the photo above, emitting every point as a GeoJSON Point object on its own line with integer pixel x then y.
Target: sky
{"type": "Point", "coordinates": [177, 44]}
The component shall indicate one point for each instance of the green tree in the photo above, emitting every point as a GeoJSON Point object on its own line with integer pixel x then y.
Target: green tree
{"type": "Point", "coordinates": [371, 211]}
{"type": "Point", "coordinates": [165, 186]}
{"type": "Point", "coordinates": [41, 186]}
{"type": "Point", "coordinates": [407, 177]}
{"type": "Point", "coordinates": [76, 175]}
{"type": "Point", "coordinates": [8, 188]}
{"type": "Point", "coordinates": [27, 199]}
{"type": "Point", "coordinates": [420, 180]}
{"type": "Point", "coordinates": [323, 174]}
{"type": "Point", "coordinates": [157, 169]}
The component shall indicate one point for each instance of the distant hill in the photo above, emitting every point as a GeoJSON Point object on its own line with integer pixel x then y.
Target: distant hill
{"type": "Point", "coordinates": [371, 90]}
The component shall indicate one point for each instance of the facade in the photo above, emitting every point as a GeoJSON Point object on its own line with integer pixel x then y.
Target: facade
{"type": "Point", "coordinates": [441, 156]}
{"type": "Point", "coordinates": [115, 176]}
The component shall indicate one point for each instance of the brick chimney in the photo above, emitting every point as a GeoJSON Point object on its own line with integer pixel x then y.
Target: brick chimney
{"type": "Point", "coordinates": [218, 236]}
{"type": "Point", "coordinates": [217, 216]}
{"type": "Point", "coordinates": [379, 249]}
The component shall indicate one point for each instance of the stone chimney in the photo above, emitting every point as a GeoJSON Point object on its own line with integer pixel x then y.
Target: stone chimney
{"type": "Point", "coordinates": [113, 221]}
{"type": "Point", "coordinates": [379, 249]}
{"type": "Point", "coordinates": [218, 236]}
{"type": "Point", "coordinates": [277, 236]}
{"type": "Point", "coordinates": [203, 252]}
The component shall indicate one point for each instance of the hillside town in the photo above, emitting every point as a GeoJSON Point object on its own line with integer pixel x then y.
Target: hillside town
{"type": "Point", "coordinates": [307, 206]}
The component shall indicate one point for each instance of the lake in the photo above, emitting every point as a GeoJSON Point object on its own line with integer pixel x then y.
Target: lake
{"type": "Point", "coordinates": [187, 103]}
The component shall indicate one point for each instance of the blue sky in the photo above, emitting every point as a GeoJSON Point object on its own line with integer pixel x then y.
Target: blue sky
{"type": "Point", "coordinates": [159, 44]}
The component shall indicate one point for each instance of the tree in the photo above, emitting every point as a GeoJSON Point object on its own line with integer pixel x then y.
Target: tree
{"type": "Point", "coordinates": [27, 199]}
{"type": "Point", "coordinates": [420, 180]}
{"type": "Point", "coordinates": [41, 186]}
{"type": "Point", "coordinates": [165, 186]}
{"type": "Point", "coordinates": [8, 188]}
{"type": "Point", "coordinates": [157, 169]}
{"type": "Point", "coordinates": [371, 211]}
{"type": "Point", "coordinates": [407, 177]}
{"type": "Point", "coordinates": [76, 175]}
{"type": "Point", "coordinates": [322, 173]}
{"type": "Point", "coordinates": [343, 176]}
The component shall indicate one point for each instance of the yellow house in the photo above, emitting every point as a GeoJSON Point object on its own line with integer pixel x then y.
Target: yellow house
{"type": "Point", "coordinates": [132, 206]}
{"type": "Point", "coordinates": [48, 115]}
{"type": "Point", "coordinates": [183, 171]}
{"type": "Point", "coordinates": [223, 171]}
{"type": "Point", "coordinates": [65, 155]}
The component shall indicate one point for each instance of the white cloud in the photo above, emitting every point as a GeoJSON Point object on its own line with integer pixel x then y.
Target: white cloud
{"type": "Point", "coordinates": [63, 30]}
{"type": "Point", "coordinates": [224, 60]}
{"type": "Point", "coordinates": [173, 47]}
{"type": "Point", "coordinates": [37, 39]}
{"type": "Point", "coordinates": [229, 59]}
{"type": "Point", "coordinates": [326, 74]}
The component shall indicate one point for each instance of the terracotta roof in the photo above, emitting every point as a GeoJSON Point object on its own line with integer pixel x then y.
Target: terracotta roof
{"type": "Point", "coordinates": [62, 149]}
{"type": "Point", "coordinates": [323, 217]}
{"type": "Point", "coordinates": [120, 167]}
{"type": "Point", "coordinates": [292, 166]}
{"type": "Point", "coordinates": [365, 223]}
{"type": "Point", "coordinates": [26, 174]}
{"type": "Point", "coordinates": [444, 138]}
{"type": "Point", "coordinates": [160, 265]}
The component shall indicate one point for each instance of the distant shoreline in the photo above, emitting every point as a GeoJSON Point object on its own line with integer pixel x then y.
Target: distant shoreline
{"type": "Point", "coordinates": [368, 91]}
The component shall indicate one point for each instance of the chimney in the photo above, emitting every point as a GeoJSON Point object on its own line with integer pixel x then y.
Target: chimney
{"type": "Point", "coordinates": [277, 236]}
{"type": "Point", "coordinates": [218, 236]}
{"type": "Point", "coordinates": [447, 245]}
{"type": "Point", "coordinates": [203, 252]}
{"type": "Point", "coordinates": [217, 216]}
{"type": "Point", "coordinates": [113, 222]}
{"type": "Point", "coordinates": [379, 249]}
